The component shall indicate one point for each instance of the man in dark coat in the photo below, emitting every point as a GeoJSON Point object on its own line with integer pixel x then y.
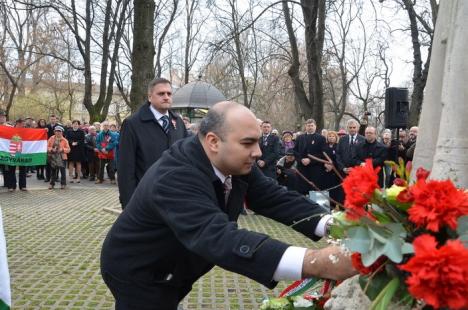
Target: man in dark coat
{"type": "Point", "coordinates": [182, 220]}
{"type": "Point", "coordinates": [270, 147]}
{"type": "Point", "coordinates": [347, 146]}
{"type": "Point", "coordinates": [310, 143]}
{"type": "Point", "coordinates": [373, 149]}
{"type": "Point", "coordinates": [146, 135]}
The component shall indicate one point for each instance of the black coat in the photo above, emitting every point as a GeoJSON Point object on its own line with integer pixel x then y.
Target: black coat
{"type": "Point", "coordinates": [310, 144]}
{"type": "Point", "coordinates": [142, 142]}
{"type": "Point", "coordinates": [345, 152]}
{"type": "Point", "coordinates": [176, 227]}
{"type": "Point", "coordinates": [270, 154]}
{"type": "Point", "coordinates": [331, 179]}
{"type": "Point", "coordinates": [77, 152]}
{"type": "Point", "coordinates": [377, 151]}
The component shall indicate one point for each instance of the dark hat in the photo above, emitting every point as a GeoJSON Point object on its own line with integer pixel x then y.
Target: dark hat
{"type": "Point", "coordinates": [287, 132]}
{"type": "Point", "coordinates": [290, 152]}
{"type": "Point", "coordinates": [19, 120]}
{"type": "Point", "coordinates": [58, 128]}
{"type": "Point", "coordinates": [2, 112]}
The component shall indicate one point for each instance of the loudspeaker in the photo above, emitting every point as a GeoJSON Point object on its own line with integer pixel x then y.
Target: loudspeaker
{"type": "Point", "coordinates": [396, 107]}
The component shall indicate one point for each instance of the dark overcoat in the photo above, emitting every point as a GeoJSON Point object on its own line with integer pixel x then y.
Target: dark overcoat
{"type": "Point", "coordinates": [345, 152]}
{"type": "Point", "coordinates": [176, 227]}
{"type": "Point", "coordinates": [310, 144]}
{"type": "Point", "coordinates": [142, 142]}
{"type": "Point", "coordinates": [270, 154]}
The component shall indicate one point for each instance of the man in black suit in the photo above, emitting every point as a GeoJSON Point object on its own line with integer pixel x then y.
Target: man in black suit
{"type": "Point", "coordinates": [146, 135]}
{"type": "Point", "coordinates": [373, 149]}
{"type": "Point", "coordinates": [310, 143]}
{"type": "Point", "coordinates": [181, 221]}
{"type": "Point", "coordinates": [270, 147]}
{"type": "Point", "coordinates": [347, 146]}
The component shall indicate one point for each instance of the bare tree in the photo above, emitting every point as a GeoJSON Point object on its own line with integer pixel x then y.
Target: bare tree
{"type": "Point", "coordinates": [18, 47]}
{"type": "Point", "coordinates": [97, 29]}
{"type": "Point", "coordinates": [193, 26]}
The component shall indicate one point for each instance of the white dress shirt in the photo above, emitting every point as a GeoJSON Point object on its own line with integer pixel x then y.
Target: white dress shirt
{"type": "Point", "coordinates": [158, 115]}
{"type": "Point", "coordinates": [290, 265]}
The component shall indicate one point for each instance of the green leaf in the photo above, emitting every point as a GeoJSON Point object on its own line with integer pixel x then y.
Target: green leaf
{"type": "Point", "coordinates": [382, 217]}
{"type": "Point", "coordinates": [462, 229]}
{"type": "Point", "coordinates": [383, 299]}
{"type": "Point", "coordinates": [376, 285]}
{"type": "Point", "coordinates": [358, 239]}
{"type": "Point", "coordinates": [407, 248]}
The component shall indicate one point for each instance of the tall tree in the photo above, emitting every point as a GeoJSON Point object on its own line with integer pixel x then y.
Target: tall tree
{"type": "Point", "coordinates": [97, 31]}
{"type": "Point", "coordinates": [420, 24]}
{"type": "Point", "coordinates": [143, 51]}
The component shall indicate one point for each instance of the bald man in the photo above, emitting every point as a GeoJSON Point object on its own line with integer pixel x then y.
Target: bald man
{"type": "Point", "coordinates": [181, 220]}
{"type": "Point", "coordinates": [372, 149]}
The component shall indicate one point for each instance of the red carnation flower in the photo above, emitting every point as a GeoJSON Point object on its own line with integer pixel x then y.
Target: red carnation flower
{"type": "Point", "coordinates": [359, 186]}
{"type": "Point", "coordinates": [357, 264]}
{"type": "Point", "coordinates": [439, 276]}
{"type": "Point", "coordinates": [436, 204]}
{"type": "Point", "coordinates": [405, 196]}
{"type": "Point", "coordinates": [399, 182]}
{"type": "Point", "coordinates": [422, 174]}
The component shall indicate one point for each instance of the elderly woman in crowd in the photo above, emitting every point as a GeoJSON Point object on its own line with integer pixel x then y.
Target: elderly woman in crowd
{"type": "Point", "coordinates": [287, 142]}
{"type": "Point", "coordinates": [76, 139]}
{"type": "Point", "coordinates": [332, 180]}
{"type": "Point", "coordinates": [57, 148]}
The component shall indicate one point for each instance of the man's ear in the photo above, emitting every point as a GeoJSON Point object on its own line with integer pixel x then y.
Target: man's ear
{"type": "Point", "coordinates": [212, 142]}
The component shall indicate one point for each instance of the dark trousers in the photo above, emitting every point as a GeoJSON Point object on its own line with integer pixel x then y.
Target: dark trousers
{"type": "Point", "coordinates": [131, 296]}
{"type": "Point", "coordinates": [110, 169]}
{"type": "Point", "coordinates": [40, 172]}
{"type": "Point", "coordinates": [47, 172]}
{"type": "Point", "coordinates": [54, 175]}
{"type": "Point", "coordinates": [10, 177]}
{"type": "Point", "coordinates": [93, 166]}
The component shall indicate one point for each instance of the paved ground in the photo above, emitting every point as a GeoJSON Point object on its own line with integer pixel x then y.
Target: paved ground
{"type": "Point", "coordinates": [54, 240]}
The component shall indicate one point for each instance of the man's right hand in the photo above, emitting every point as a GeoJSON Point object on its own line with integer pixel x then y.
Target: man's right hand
{"type": "Point", "coordinates": [328, 263]}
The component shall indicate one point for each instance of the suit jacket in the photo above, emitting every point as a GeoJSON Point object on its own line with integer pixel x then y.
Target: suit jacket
{"type": "Point", "coordinates": [346, 152]}
{"type": "Point", "coordinates": [177, 227]}
{"type": "Point", "coordinates": [270, 154]}
{"type": "Point", "coordinates": [377, 151]}
{"type": "Point", "coordinates": [142, 142]}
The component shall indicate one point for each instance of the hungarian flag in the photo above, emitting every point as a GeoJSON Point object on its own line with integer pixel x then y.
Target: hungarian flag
{"type": "Point", "coordinates": [5, 293]}
{"type": "Point", "coordinates": [23, 146]}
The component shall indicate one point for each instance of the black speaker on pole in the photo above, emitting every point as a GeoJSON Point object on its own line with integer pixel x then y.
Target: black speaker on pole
{"type": "Point", "coordinates": [396, 107]}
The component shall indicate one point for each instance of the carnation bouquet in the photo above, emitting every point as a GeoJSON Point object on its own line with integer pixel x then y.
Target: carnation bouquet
{"type": "Point", "coordinates": [409, 242]}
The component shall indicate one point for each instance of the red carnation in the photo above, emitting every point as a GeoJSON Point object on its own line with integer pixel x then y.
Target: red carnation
{"type": "Point", "coordinates": [357, 264]}
{"type": "Point", "coordinates": [422, 174]}
{"type": "Point", "coordinates": [439, 276]}
{"type": "Point", "coordinates": [399, 182]}
{"type": "Point", "coordinates": [405, 196]}
{"type": "Point", "coordinates": [359, 186]}
{"type": "Point", "coordinates": [436, 204]}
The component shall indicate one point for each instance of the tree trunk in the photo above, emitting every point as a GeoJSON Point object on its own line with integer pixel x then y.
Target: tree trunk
{"type": "Point", "coordinates": [419, 74]}
{"type": "Point", "coordinates": [314, 20]}
{"type": "Point", "coordinates": [143, 51]}
{"type": "Point", "coordinates": [442, 142]}
{"type": "Point", "coordinates": [300, 95]}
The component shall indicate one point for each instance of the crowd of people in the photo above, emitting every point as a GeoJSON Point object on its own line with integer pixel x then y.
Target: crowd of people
{"type": "Point", "coordinates": [311, 161]}
{"type": "Point", "coordinates": [86, 151]}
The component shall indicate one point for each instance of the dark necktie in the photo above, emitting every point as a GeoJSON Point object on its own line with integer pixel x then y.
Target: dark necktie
{"type": "Point", "coordinates": [165, 123]}
{"type": "Point", "coordinates": [227, 189]}
{"type": "Point", "coordinates": [352, 140]}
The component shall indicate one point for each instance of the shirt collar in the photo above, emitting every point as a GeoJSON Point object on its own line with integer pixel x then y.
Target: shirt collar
{"type": "Point", "coordinates": [156, 113]}
{"type": "Point", "coordinates": [219, 174]}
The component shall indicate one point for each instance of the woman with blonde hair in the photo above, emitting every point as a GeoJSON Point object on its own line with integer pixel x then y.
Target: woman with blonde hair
{"type": "Point", "coordinates": [332, 180]}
